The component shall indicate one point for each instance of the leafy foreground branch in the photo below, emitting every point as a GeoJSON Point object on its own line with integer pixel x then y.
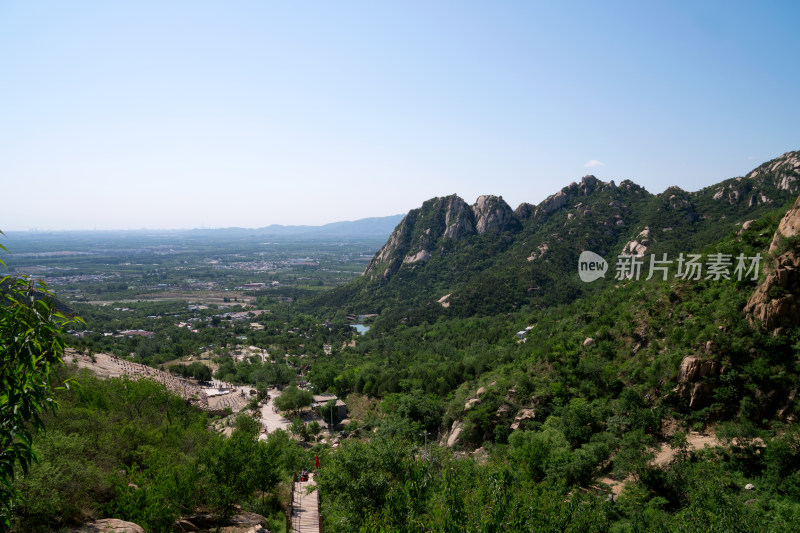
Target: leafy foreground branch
{"type": "Point", "coordinates": [30, 345]}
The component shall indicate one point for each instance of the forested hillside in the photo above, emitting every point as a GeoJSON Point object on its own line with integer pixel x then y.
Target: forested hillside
{"type": "Point", "coordinates": [565, 391]}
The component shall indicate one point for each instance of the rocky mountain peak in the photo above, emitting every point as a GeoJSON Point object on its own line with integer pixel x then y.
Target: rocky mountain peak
{"type": "Point", "coordinates": [567, 197]}
{"type": "Point", "coordinates": [416, 239]}
{"type": "Point", "coordinates": [785, 169]}
{"type": "Point", "coordinates": [492, 213]}
{"type": "Point", "coordinates": [763, 185]}
{"type": "Point", "coordinates": [588, 184]}
{"type": "Point", "coordinates": [628, 185]}
{"type": "Point", "coordinates": [524, 210]}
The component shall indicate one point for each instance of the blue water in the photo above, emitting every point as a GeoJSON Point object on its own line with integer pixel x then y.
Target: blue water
{"type": "Point", "coordinates": [360, 328]}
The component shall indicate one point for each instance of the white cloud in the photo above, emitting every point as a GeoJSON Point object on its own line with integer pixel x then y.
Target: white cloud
{"type": "Point", "coordinates": [593, 163]}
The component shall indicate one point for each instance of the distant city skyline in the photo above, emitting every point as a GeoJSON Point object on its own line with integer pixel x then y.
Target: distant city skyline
{"type": "Point", "coordinates": [169, 115]}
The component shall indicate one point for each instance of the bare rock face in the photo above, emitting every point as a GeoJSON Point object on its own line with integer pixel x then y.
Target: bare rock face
{"type": "Point", "coordinates": [745, 226]}
{"type": "Point", "coordinates": [247, 519]}
{"type": "Point", "coordinates": [459, 219]}
{"type": "Point", "coordinates": [471, 402]}
{"type": "Point", "coordinates": [788, 227]}
{"type": "Point", "coordinates": [693, 368]}
{"type": "Point", "coordinates": [388, 254]}
{"type": "Point", "coordinates": [455, 432]}
{"type": "Point", "coordinates": [552, 204]}
{"type": "Point", "coordinates": [774, 304]}
{"type": "Point", "coordinates": [422, 255]}
{"type": "Point", "coordinates": [691, 379]}
{"type": "Point", "coordinates": [493, 214]}
{"type": "Point", "coordinates": [185, 526]}
{"type": "Point", "coordinates": [776, 310]}
{"type": "Point", "coordinates": [784, 171]}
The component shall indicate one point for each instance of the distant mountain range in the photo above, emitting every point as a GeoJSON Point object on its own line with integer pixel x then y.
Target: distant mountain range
{"type": "Point", "coordinates": [374, 227]}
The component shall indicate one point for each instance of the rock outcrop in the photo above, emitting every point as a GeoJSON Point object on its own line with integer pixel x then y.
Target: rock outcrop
{"type": "Point", "coordinates": [638, 246]}
{"type": "Point", "coordinates": [693, 368]}
{"type": "Point", "coordinates": [240, 522]}
{"type": "Point", "coordinates": [522, 415]}
{"type": "Point", "coordinates": [745, 226]}
{"type": "Point", "coordinates": [774, 304]}
{"type": "Point", "coordinates": [788, 226]}
{"type": "Point", "coordinates": [422, 255]}
{"type": "Point", "coordinates": [676, 200]}
{"type": "Point", "coordinates": [692, 382]}
{"type": "Point", "coordinates": [454, 434]}
{"type": "Point", "coordinates": [111, 525]}
{"type": "Point", "coordinates": [539, 252]}
{"type": "Point", "coordinates": [552, 204]}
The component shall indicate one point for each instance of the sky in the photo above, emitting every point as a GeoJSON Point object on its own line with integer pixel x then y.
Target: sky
{"type": "Point", "coordinates": [190, 114]}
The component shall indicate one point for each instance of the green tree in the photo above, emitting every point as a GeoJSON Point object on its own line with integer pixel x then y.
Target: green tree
{"type": "Point", "coordinates": [293, 399]}
{"type": "Point", "coordinates": [314, 428]}
{"type": "Point", "coordinates": [31, 344]}
{"type": "Point", "coordinates": [298, 428]}
{"type": "Point", "coordinates": [228, 465]}
{"type": "Point", "coordinates": [265, 467]}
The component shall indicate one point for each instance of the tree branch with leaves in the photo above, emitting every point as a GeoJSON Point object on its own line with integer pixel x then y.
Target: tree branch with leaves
{"type": "Point", "coordinates": [31, 344]}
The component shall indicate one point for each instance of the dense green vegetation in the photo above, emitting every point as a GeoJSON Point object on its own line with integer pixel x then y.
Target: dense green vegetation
{"type": "Point", "coordinates": [132, 450]}
{"type": "Point", "coordinates": [387, 485]}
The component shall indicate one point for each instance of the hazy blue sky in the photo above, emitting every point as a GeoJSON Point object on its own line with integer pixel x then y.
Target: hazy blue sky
{"type": "Point", "coordinates": [175, 114]}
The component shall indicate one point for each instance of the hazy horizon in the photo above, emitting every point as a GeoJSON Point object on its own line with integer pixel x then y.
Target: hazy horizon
{"type": "Point", "coordinates": [49, 230]}
{"type": "Point", "coordinates": [206, 115]}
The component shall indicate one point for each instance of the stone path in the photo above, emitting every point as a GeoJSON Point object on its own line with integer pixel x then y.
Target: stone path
{"type": "Point", "coordinates": [305, 511]}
